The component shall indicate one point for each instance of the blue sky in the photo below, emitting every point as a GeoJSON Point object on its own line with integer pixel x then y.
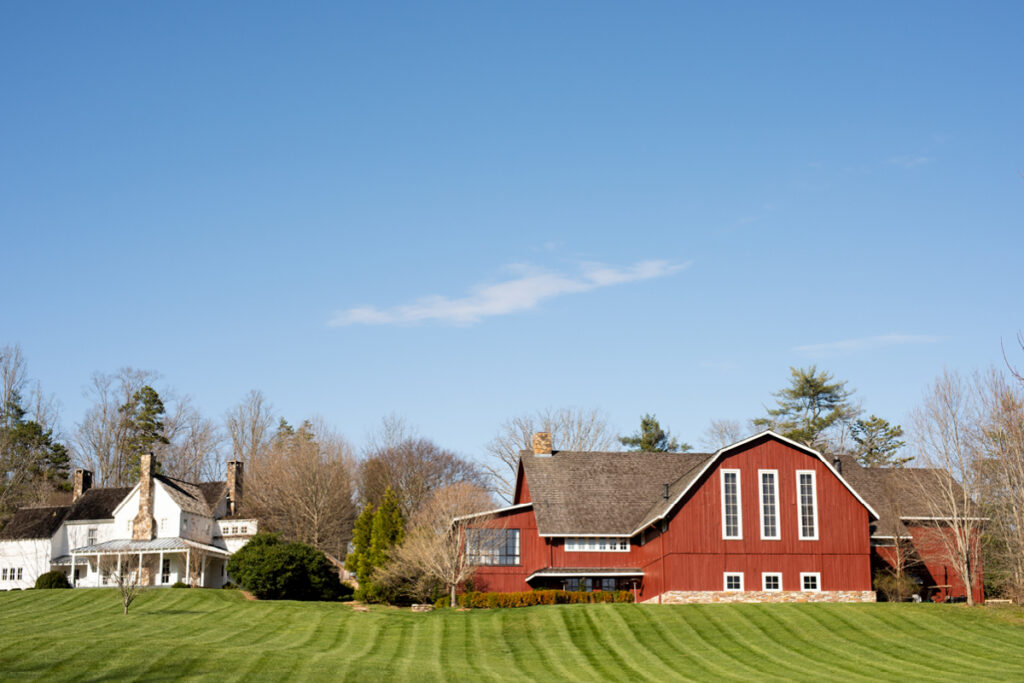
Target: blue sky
{"type": "Point", "coordinates": [464, 212]}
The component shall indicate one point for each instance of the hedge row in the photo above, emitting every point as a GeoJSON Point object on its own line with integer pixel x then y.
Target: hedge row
{"type": "Point", "coordinates": [528, 598]}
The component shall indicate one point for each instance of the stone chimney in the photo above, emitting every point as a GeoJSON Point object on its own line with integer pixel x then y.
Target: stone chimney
{"type": "Point", "coordinates": [542, 443]}
{"type": "Point", "coordinates": [838, 464]}
{"type": "Point", "coordinates": [234, 486]}
{"type": "Point", "coordinates": [144, 525]}
{"type": "Point", "coordinates": [83, 482]}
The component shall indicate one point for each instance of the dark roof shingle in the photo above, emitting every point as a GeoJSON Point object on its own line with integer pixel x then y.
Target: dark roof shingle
{"type": "Point", "coordinates": [97, 503]}
{"type": "Point", "coordinates": [34, 523]}
{"type": "Point", "coordinates": [602, 492]}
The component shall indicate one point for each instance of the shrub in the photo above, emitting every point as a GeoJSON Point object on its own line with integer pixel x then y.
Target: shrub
{"type": "Point", "coordinates": [271, 569]}
{"type": "Point", "coordinates": [529, 598]}
{"type": "Point", "coordinates": [894, 588]}
{"type": "Point", "coordinates": [179, 584]}
{"type": "Point", "coordinates": [55, 579]}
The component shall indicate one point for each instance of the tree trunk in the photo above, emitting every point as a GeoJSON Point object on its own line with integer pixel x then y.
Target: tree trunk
{"type": "Point", "coordinates": [453, 602]}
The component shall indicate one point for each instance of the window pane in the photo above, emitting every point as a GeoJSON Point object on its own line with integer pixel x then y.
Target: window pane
{"type": "Point", "coordinates": [731, 504]}
{"type": "Point", "coordinates": [808, 528]}
{"type": "Point", "coordinates": [769, 513]}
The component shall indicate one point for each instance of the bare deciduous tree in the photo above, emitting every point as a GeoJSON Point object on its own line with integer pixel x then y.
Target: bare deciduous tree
{"type": "Point", "coordinates": [126, 573]}
{"type": "Point", "coordinates": [434, 546]}
{"type": "Point", "coordinates": [194, 452]}
{"type": "Point", "coordinates": [302, 487]}
{"type": "Point", "coordinates": [946, 430]}
{"type": "Point", "coordinates": [721, 433]}
{"type": "Point", "coordinates": [250, 426]}
{"type": "Point", "coordinates": [413, 468]}
{"type": "Point", "coordinates": [101, 438]}
{"type": "Point", "coordinates": [571, 429]}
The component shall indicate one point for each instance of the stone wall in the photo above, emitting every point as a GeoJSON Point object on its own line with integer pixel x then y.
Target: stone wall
{"type": "Point", "coordinates": [702, 597]}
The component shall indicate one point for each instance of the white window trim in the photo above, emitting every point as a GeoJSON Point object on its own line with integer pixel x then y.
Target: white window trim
{"type": "Point", "coordinates": [573, 545]}
{"type": "Point", "coordinates": [760, 504]}
{"type": "Point", "coordinates": [764, 582]}
{"type": "Point", "coordinates": [725, 582]}
{"type": "Point", "coordinates": [799, 510]}
{"type": "Point", "coordinates": [739, 506]}
{"type": "Point", "coordinates": [817, 582]}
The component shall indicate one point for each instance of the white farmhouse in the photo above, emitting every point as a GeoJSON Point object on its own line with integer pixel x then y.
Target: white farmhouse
{"type": "Point", "coordinates": [177, 530]}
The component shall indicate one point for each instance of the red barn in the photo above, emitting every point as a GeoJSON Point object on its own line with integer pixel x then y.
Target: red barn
{"type": "Point", "coordinates": [766, 519]}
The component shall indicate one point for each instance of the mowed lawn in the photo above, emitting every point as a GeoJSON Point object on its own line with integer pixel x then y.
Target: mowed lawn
{"type": "Point", "coordinates": [81, 635]}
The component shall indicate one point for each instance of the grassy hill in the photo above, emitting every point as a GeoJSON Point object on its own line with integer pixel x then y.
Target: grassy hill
{"type": "Point", "coordinates": [82, 635]}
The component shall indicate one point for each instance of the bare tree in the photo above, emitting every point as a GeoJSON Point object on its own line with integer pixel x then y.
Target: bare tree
{"type": "Point", "coordinates": [302, 486]}
{"type": "Point", "coordinates": [413, 468]}
{"type": "Point", "coordinates": [250, 426]}
{"type": "Point", "coordinates": [194, 449]}
{"type": "Point", "coordinates": [946, 427]}
{"type": "Point", "coordinates": [434, 546]}
{"type": "Point", "coordinates": [571, 429]}
{"type": "Point", "coordinates": [1002, 438]}
{"type": "Point", "coordinates": [126, 573]}
{"type": "Point", "coordinates": [101, 439]}
{"type": "Point", "coordinates": [722, 433]}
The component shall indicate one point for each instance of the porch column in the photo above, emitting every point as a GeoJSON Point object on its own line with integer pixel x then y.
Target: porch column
{"type": "Point", "coordinates": [188, 574]}
{"type": "Point", "coordinates": [202, 572]}
{"type": "Point", "coordinates": [139, 581]}
{"type": "Point", "coordinates": [119, 567]}
{"type": "Point", "coordinates": [72, 570]}
{"type": "Point", "coordinates": [160, 569]}
{"type": "Point", "coordinates": [99, 570]}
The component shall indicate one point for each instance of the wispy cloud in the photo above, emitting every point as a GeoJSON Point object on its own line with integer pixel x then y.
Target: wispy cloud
{"type": "Point", "coordinates": [531, 287]}
{"type": "Point", "coordinates": [867, 343]}
{"type": "Point", "coordinates": [910, 160]}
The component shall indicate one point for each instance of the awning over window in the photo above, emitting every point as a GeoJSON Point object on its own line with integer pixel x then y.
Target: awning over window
{"type": "Point", "coordinates": [583, 572]}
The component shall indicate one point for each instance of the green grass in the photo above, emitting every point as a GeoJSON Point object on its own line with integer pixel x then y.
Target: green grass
{"type": "Point", "coordinates": [81, 635]}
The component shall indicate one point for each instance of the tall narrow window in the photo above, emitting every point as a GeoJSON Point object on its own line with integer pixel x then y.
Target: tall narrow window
{"type": "Point", "coordinates": [769, 505]}
{"type": "Point", "coordinates": [732, 514]}
{"type": "Point", "coordinates": [808, 501]}
{"type": "Point", "coordinates": [91, 536]}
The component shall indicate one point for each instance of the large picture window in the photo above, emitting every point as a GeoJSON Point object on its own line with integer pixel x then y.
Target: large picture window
{"type": "Point", "coordinates": [732, 513]}
{"type": "Point", "coordinates": [807, 490]}
{"type": "Point", "coordinates": [496, 547]}
{"type": "Point", "coordinates": [769, 504]}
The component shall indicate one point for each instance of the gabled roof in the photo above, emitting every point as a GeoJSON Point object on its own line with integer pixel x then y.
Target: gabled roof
{"type": "Point", "coordinates": [621, 494]}
{"type": "Point", "coordinates": [97, 504]}
{"type": "Point", "coordinates": [895, 492]}
{"type": "Point", "coordinates": [34, 523]}
{"type": "Point", "coordinates": [189, 497]}
{"type": "Point", "coordinates": [600, 493]}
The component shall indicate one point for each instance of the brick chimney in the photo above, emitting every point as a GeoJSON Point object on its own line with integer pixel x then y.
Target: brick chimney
{"type": "Point", "coordinates": [838, 464]}
{"type": "Point", "coordinates": [83, 482]}
{"type": "Point", "coordinates": [542, 443]}
{"type": "Point", "coordinates": [143, 526]}
{"type": "Point", "coordinates": [234, 486]}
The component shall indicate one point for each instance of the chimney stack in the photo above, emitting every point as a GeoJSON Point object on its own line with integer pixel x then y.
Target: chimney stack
{"type": "Point", "coordinates": [234, 486]}
{"type": "Point", "coordinates": [838, 464]}
{"type": "Point", "coordinates": [144, 524]}
{"type": "Point", "coordinates": [542, 443]}
{"type": "Point", "coordinates": [666, 491]}
{"type": "Point", "coordinates": [83, 482]}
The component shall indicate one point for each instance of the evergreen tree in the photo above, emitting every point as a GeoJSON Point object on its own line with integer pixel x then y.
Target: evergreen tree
{"type": "Point", "coordinates": [653, 439]}
{"type": "Point", "coordinates": [357, 560]}
{"type": "Point", "coordinates": [812, 404]}
{"type": "Point", "coordinates": [141, 421]}
{"type": "Point", "coordinates": [878, 442]}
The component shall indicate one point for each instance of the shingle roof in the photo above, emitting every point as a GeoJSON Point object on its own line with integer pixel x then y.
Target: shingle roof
{"type": "Point", "coordinates": [97, 503]}
{"type": "Point", "coordinates": [189, 497]}
{"type": "Point", "coordinates": [896, 492]}
{"type": "Point", "coordinates": [213, 492]}
{"type": "Point", "coordinates": [34, 523]}
{"type": "Point", "coordinates": [603, 492]}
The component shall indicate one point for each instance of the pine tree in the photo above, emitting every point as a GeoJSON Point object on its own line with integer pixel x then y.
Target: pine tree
{"type": "Point", "coordinates": [813, 403]}
{"type": "Point", "coordinates": [376, 534]}
{"type": "Point", "coordinates": [878, 442]}
{"type": "Point", "coordinates": [653, 439]}
{"type": "Point", "coordinates": [143, 428]}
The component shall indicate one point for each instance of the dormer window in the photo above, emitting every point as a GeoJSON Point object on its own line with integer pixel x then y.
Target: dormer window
{"type": "Point", "coordinates": [605, 545]}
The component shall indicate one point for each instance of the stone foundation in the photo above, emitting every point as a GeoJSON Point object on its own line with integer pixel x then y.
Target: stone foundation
{"type": "Point", "coordinates": [703, 597]}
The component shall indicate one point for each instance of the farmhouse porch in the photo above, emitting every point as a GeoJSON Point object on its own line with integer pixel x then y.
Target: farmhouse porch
{"type": "Point", "coordinates": [162, 560]}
